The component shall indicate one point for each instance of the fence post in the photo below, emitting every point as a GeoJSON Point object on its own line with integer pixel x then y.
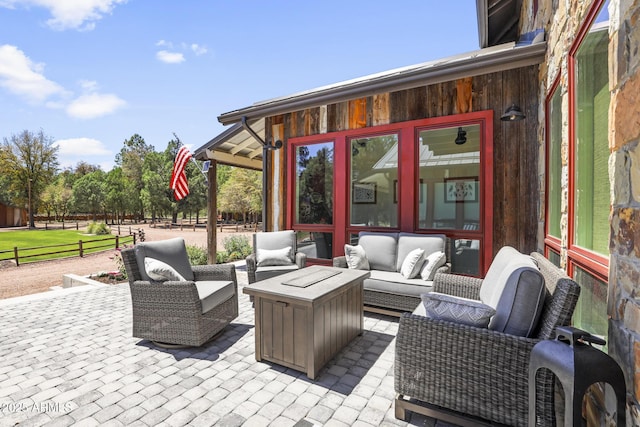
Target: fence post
{"type": "Point", "coordinates": [15, 254]}
{"type": "Point", "coordinates": [134, 239]}
{"type": "Point", "coordinates": [77, 225]}
{"type": "Point", "coordinates": [80, 248]}
{"type": "Point", "coordinates": [117, 242]}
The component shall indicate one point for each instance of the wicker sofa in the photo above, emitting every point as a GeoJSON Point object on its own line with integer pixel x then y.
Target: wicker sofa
{"type": "Point", "coordinates": [475, 376]}
{"type": "Point", "coordinates": [387, 290]}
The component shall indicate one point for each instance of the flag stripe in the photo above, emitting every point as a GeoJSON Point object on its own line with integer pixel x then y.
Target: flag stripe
{"type": "Point", "coordinates": [179, 183]}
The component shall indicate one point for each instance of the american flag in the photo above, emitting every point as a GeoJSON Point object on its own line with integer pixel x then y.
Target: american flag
{"type": "Point", "coordinates": [179, 183]}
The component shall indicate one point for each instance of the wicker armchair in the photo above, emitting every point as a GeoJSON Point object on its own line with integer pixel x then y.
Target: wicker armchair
{"type": "Point", "coordinates": [273, 241]}
{"type": "Point", "coordinates": [470, 375]}
{"type": "Point", "coordinates": [183, 313]}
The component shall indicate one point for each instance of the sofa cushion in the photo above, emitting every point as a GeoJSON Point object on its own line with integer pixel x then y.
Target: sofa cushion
{"type": "Point", "coordinates": [429, 243]}
{"type": "Point", "coordinates": [412, 263]}
{"type": "Point", "coordinates": [394, 283]}
{"type": "Point", "coordinates": [521, 301]}
{"type": "Point", "coordinates": [214, 292]}
{"type": "Point", "coordinates": [161, 271]}
{"type": "Point", "coordinates": [381, 249]}
{"type": "Point", "coordinates": [431, 265]}
{"type": "Point", "coordinates": [282, 256]}
{"type": "Point", "coordinates": [356, 257]}
{"type": "Point", "coordinates": [455, 309]}
{"type": "Point", "coordinates": [170, 251]}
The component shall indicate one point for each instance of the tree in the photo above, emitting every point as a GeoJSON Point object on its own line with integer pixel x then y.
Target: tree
{"type": "Point", "coordinates": [131, 158]}
{"type": "Point", "coordinates": [155, 194]}
{"type": "Point", "coordinates": [57, 197]}
{"type": "Point", "coordinates": [116, 198]}
{"type": "Point", "coordinates": [242, 192]}
{"type": "Point", "coordinates": [30, 162]}
{"type": "Point", "coordinates": [89, 193]}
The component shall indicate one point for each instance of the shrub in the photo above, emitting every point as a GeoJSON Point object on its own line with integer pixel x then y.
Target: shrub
{"type": "Point", "coordinates": [237, 247]}
{"type": "Point", "coordinates": [197, 255]}
{"type": "Point", "coordinates": [98, 228]}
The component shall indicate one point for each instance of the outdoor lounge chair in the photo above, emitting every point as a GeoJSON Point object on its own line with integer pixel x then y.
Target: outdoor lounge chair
{"type": "Point", "coordinates": [466, 374]}
{"type": "Point", "coordinates": [173, 302]}
{"type": "Point", "coordinates": [274, 253]}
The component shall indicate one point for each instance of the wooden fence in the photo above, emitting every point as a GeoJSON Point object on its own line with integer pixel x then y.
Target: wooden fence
{"type": "Point", "coordinates": [69, 249]}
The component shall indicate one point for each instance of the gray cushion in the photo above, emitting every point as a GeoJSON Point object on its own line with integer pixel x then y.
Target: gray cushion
{"type": "Point", "coordinates": [161, 271]}
{"type": "Point", "coordinates": [459, 310]}
{"type": "Point", "coordinates": [521, 301]}
{"type": "Point", "coordinates": [171, 251]}
{"type": "Point", "coordinates": [381, 249]}
{"type": "Point", "coordinates": [283, 256]}
{"type": "Point", "coordinates": [394, 283]}
{"type": "Point", "coordinates": [275, 240]}
{"type": "Point", "coordinates": [430, 243]}
{"type": "Point", "coordinates": [212, 293]}
{"type": "Point", "coordinates": [272, 271]}
{"type": "Point", "coordinates": [504, 256]}
{"type": "Point", "coordinates": [356, 257]}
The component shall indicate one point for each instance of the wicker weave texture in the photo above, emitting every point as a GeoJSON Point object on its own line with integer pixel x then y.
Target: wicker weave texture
{"type": "Point", "coordinates": [171, 312]}
{"type": "Point", "coordinates": [477, 371]}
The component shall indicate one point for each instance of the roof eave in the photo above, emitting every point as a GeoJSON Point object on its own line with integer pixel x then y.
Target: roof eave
{"type": "Point", "coordinates": [430, 73]}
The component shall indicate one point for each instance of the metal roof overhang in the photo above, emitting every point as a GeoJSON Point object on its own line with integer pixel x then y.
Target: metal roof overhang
{"type": "Point", "coordinates": [491, 59]}
{"type": "Point", "coordinates": [235, 147]}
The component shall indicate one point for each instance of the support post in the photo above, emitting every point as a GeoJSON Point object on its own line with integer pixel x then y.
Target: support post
{"type": "Point", "coordinates": [212, 213]}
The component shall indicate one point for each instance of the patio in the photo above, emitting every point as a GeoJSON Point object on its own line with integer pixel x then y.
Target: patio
{"type": "Point", "coordinates": [68, 358]}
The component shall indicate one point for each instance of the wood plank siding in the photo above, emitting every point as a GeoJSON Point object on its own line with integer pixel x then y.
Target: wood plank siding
{"type": "Point", "coordinates": [515, 146]}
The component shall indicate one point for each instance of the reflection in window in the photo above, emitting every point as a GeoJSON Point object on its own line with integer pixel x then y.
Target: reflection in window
{"type": "Point", "coordinates": [315, 244]}
{"type": "Point", "coordinates": [450, 178]}
{"type": "Point", "coordinates": [314, 184]}
{"type": "Point", "coordinates": [591, 310]}
{"type": "Point", "coordinates": [374, 173]}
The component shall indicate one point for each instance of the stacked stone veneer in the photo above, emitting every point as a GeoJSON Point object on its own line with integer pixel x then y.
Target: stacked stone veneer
{"type": "Point", "coordinates": [562, 20]}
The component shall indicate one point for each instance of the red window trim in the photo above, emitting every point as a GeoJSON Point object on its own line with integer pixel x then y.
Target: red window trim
{"type": "Point", "coordinates": [593, 262]}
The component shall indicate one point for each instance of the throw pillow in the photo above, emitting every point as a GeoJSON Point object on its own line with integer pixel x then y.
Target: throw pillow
{"type": "Point", "coordinates": [431, 265]}
{"type": "Point", "coordinates": [266, 257]}
{"type": "Point", "coordinates": [459, 310]}
{"type": "Point", "coordinates": [356, 257]}
{"type": "Point", "coordinates": [161, 271]}
{"type": "Point", "coordinates": [412, 263]}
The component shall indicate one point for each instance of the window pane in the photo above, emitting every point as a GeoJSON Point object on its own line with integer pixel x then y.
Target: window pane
{"type": "Point", "coordinates": [554, 191]}
{"type": "Point", "coordinates": [592, 147]}
{"type": "Point", "coordinates": [591, 311]}
{"type": "Point", "coordinates": [449, 177]}
{"type": "Point", "coordinates": [315, 244]}
{"type": "Point", "coordinates": [314, 184]}
{"type": "Point", "coordinates": [374, 173]}
{"type": "Point", "coordinates": [554, 257]}
{"type": "Point", "coordinates": [465, 258]}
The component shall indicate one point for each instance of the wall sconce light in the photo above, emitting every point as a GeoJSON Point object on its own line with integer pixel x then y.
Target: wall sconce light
{"type": "Point", "coordinates": [274, 146]}
{"type": "Point", "coordinates": [512, 114]}
{"type": "Point", "coordinates": [462, 136]}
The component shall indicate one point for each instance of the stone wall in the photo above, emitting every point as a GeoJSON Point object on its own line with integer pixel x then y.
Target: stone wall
{"type": "Point", "coordinates": [561, 20]}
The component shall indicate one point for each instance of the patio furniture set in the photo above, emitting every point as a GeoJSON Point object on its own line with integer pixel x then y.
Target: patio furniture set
{"type": "Point", "coordinates": [463, 343]}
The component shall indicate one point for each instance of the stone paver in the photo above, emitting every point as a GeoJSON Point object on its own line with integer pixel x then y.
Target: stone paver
{"type": "Point", "coordinates": [68, 358]}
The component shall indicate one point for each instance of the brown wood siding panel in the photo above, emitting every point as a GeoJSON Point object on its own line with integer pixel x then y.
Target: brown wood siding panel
{"type": "Point", "coordinates": [434, 97]}
{"type": "Point", "coordinates": [464, 95]}
{"type": "Point", "coordinates": [513, 145]}
{"type": "Point", "coordinates": [397, 106]}
{"type": "Point", "coordinates": [380, 107]}
{"type": "Point", "coordinates": [357, 113]}
{"type": "Point", "coordinates": [530, 190]}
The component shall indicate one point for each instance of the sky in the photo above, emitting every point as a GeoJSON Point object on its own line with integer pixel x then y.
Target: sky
{"type": "Point", "coordinates": [92, 73]}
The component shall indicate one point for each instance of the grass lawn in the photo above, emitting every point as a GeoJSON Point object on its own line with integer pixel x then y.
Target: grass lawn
{"type": "Point", "coordinates": [38, 245]}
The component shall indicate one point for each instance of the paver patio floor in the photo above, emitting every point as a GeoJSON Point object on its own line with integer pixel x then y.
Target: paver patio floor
{"type": "Point", "coordinates": [68, 358]}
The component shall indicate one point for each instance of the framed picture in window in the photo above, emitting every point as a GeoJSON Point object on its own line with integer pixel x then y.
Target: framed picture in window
{"type": "Point", "coordinates": [460, 190]}
{"type": "Point", "coordinates": [364, 193]}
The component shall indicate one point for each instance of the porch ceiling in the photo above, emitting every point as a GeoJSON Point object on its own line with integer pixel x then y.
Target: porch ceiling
{"type": "Point", "coordinates": [235, 146]}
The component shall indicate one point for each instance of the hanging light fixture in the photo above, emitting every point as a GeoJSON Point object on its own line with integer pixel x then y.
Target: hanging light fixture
{"type": "Point", "coordinates": [512, 114]}
{"type": "Point", "coordinates": [462, 136]}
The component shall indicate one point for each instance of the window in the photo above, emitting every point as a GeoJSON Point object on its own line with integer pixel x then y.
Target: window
{"type": "Point", "coordinates": [554, 163]}
{"type": "Point", "coordinates": [589, 201]}
{"type": "Point", "coordinates": [374, 177]}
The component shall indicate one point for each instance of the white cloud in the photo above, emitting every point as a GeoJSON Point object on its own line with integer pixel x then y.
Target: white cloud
{"type": "Point", "coordinates": [70, 14]}
{"type": "Point", "coordinates": [74, 150]}
{"type": "Point", "coordinates": [170, 57]}
{"type": "Point", "coordinates": [23, 77]}
{"type": "Point", "coordinates": [92, 105]}
{"type": "Point", "coordinates": [198, 50]}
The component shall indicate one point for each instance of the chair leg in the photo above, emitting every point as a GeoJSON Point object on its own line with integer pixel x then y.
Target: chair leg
{"type": "Point", "coordinates": [401, 413]}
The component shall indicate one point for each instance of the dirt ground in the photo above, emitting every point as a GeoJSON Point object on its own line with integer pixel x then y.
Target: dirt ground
{"type": "Point", "coordinates": [40, 276]}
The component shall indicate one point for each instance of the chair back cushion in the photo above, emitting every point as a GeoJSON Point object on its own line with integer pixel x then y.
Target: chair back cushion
{"type": "Point", "coordinates": [505, 255]}
{"type": "Point", "coordinates": [171, 251]}
{"type": "Point", "coordinates": [381, 250]}
{"type": "Point", "coordinates": [408, 242]}
{"type": "Point", "coordinates": [272, 240]}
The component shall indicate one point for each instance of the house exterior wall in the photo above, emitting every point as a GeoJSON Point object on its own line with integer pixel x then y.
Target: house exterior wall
{"type": "Point", "coordinates": [562, 20]}
{"type": "Point", "coordinates": [515, 186]}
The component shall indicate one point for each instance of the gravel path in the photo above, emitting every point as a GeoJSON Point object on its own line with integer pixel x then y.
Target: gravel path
{"type": "Point", "coordinates": [40, 276]}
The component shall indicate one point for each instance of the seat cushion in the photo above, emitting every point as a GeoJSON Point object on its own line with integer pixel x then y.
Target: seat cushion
{"type": "Point", "coordinates": [429, 243]}
{"type": "Point", "coordinates": [381, 249]}
{"type": "Point", "coordinates": [267, 272]}
{"type": "Point", "coordinates": [392, 282]}
{"type": "Point", "coordinates": [170, 251]}
{"type": "Point", "coordinates": [212, 293]}
{"type": "Point", "coordinates": [455, 309]}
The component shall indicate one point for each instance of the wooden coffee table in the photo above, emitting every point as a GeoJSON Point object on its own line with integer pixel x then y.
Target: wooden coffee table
{"type": "Point", "coordinates": [306, 317]}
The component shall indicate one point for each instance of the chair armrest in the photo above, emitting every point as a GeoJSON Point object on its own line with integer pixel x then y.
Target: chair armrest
{"type": "Point", "coordinates": [463, 368]}
{"type": "Point", "coordinates": [252, 265]}
{"type": "Point", "coordinates": [215, 272]}
{"type": "Point", "coordinates": [181, 295]}
{"type": "Point", "coordinates": [457, 285]}
{"type": "Point", "coordinates": [340, 261]}
{"type": "Point", "coordinates": [301, 259]}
